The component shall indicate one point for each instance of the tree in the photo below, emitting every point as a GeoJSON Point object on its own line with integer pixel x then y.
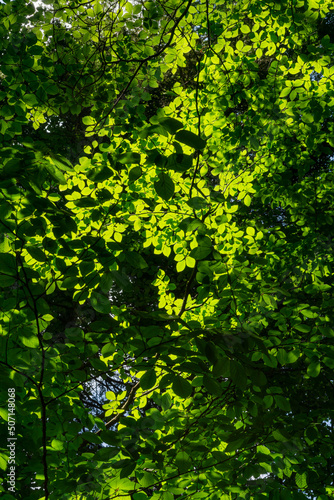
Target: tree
{"type": "Point", "coordinates": [166, 250]}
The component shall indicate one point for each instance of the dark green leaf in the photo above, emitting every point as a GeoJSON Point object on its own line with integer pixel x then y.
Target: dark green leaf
{"type": "Point", "coordinates": [197, 202]}
{"type": "Point", "coordinates": [135, 173]}
{"type": "Point", "coordinates": [238, 374]}
{"type": "Point", "coordinates": [182, 387]}
{"type": "Point", "coordinates": [105, 454]}
{"type": "Point", "coordinates": [164, 186]}
{"type": "Point", "coordinates": [100, 174]}
{"type": "Point", "coordinates": [100, 303]}
{"type": "Point", "coordinates": [61, 162]}
{"type": "Point", "coordinates": [86, 202]}
{"type": "Point", "coordinates": [148, 380]}
{"type": "Point", "coordinates": [211, 385]}
{"type": "Point", "coordinates": [36, 253]}
{"type": "Point", "coordinates": [282, 402]}
{"type": "Point", "coordinates": [8, 264]}
{"type": "Point", "coordinates": [129, 158]}
{"type": "Point", "coordinates": [221, 368]}
{"type": "Point", "coordinates": [179, 162]}
{"type": "Point", "coordinates": [121, 280]}
{"type": "Point", "coordinates": [190, 139]}
{"type": "Point", "coordinates": [54, 172]}
{"type": "Point", "coordinates": [171, 124]}
{"type": "Point", "coordinates": [183, 461]}
{"type": "Point", "coordinates": [203, 249]}
{"type": "Point", "coordinates": [136, 260]}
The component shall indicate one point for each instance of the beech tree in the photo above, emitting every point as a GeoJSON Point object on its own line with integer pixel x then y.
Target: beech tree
{"type": "Point", "coordinates": [166, 249]}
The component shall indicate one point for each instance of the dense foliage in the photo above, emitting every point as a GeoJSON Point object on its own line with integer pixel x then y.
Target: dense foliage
{"type": "Point", "coordinates": [166, 251]}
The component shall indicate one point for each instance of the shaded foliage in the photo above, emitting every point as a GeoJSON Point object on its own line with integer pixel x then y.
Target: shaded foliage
{"type": "Point", "coordinates": [166, 249]}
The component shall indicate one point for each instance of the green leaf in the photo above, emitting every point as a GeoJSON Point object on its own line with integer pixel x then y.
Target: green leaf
{"type": "Point", "coordinates": [3, 464]}
{"type": "Point", "coordinates": [105, 454]}
{"type": "Point", "coordinates": [88, 120]}
{"type": "Point", "coordinates": [308, 314]}
{"type": "Point", "coordinates": [70, 282]}
{"type": "Point", "coordinates": [179, 162]}
{"type": "Point", "coordinates": [129, 158]}
{"type": "Point", "coordinates": [234, 445]}
{"type": "Point", "coordinates": [254, 142]}
{"type": "Point", "coordinates": [263, 449]}
{"type": "Point", "coordinates": [329, 362]}
{"type": "Point", "coordinates": [121, 280]}
{"type": "Point", "coordinates": [221, 368]}
{"type": "Point", "coordinates": [154, 156]}
{"type": "Point", "coordinates": [136, 260]}
{"type": "Point", "coordinates": [247, 200]}
{"type": "Point", "coordinates": [4, 413]}
{"type": "Point", "coordinates": [121, 464]}
{"type": "Point", "coordinates": [282, 356]}
{"type": "Point", "coordinates": [147, 480]}
{"type": "Point", "coordinates": [183, 461]}
{"type": "Point", "coordinates": [8, 264]}
{"type": "Point", "coordinates": [286, 91]}
{"type": "Point", "coordinates": [292, 356]}
{"type": "Point", "coordinates": [307, 118]}
{"type": "Point", "coordinates": [30, 99]}
{"type": "Point", "coordinates": [148, 380]}
{"type": "Point", "coordinates": [106, 282]}
{"type": "Point", "coordinates": [197, 202]}
{"type": "Point", "coordinates": [190, 139]}
{"type": "Point", "coordinates": [108, 349]}
{"type": "Point", "coordinates": [211, 352]}
{"type": "Point", "coordinates": [245, 29]}
{"type": "Point", "coordinates": [36, 253]}
{"type": "Point", "coordinates": [50, 244]}
{"type": "Point", "coordinates": [303, 328]}
{"type": "Point", "coordinates": [211, 385]}
{"type": "Point", "coordinates": [91, 437]}
{"type": "Point", "coordinates": [100, 174]}
{"type": "Point", "coordinates": [313, 368]}
{"type": "Point", "coordinates": [268, 401]}
{"type": "Point", "coordinates": [164, 186]}
{"type": "Point", "coordinates": [166, 401]}
{"type": "Point", "coordinates": [61, 162]}
{"type": "Point", "coordinates": [171, 124]}
{"type": "Point", "coordinates": [301, 480]}
{"type": "Point", "coordinates": [277, 434]}
{"type": "Point", "coordinates": [57, 444]}
{"type": "Point", "coordinates": [203, 249]}
{"type": "Point", "coordinates": [86, 202]}
{"type": "Point", "coordinates": [54, 172]}
{"type": "Point", "coordinates": [182, 387]}
{"type": "Point", "coordinates": [282, 402]}
{"type": "Point", "coordinates": [100, 303]}
{"type": "Point", "coordinates": [128, 469]}
{"type": "Point", "coordinates": [167, 496]}
{"type": "Point", "coordinates": [238, 374]}
{"type": "Point", "coordinates": [135, 173]}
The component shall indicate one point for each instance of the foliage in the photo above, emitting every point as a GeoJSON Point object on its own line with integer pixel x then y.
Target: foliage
{"type": "Point", "coordinates": [166, 234]}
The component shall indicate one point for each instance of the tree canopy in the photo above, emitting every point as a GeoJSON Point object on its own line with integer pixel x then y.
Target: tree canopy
{"type": "Point", "coordinates": [166, 249]}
